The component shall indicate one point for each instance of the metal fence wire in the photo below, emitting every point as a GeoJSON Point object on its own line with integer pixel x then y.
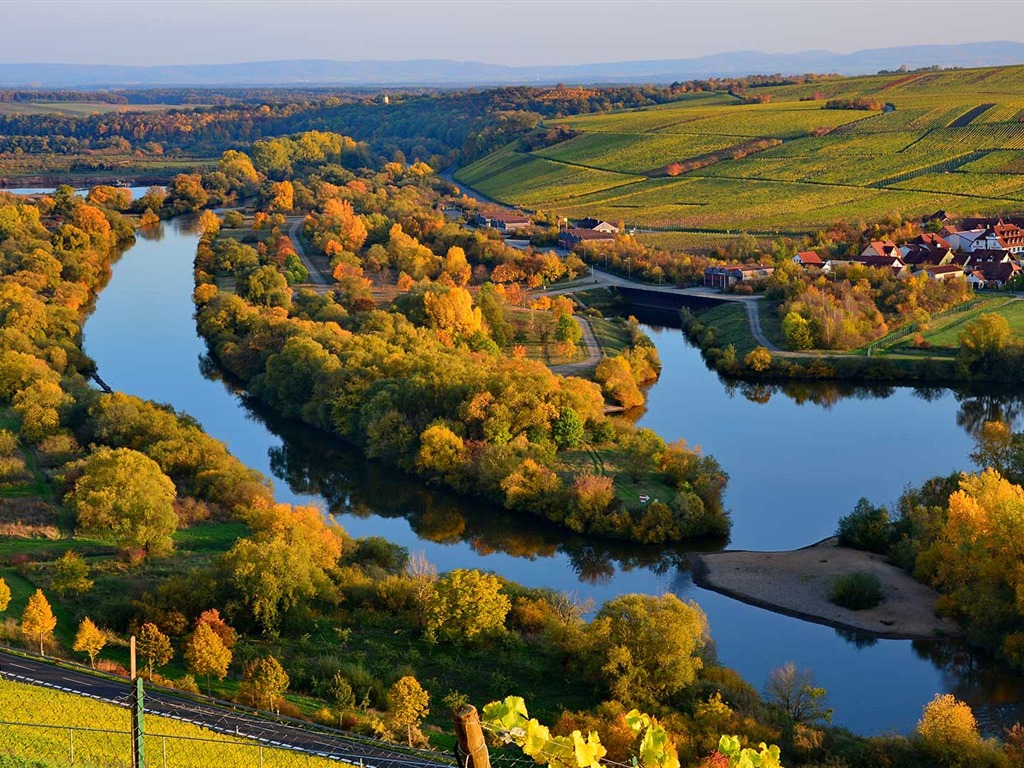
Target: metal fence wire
{"type": "Point", "coordinates": [45, 726]}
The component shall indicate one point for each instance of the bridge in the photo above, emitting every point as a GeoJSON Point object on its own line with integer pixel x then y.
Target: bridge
{"type": "Point", "coordinates": [665, 297]}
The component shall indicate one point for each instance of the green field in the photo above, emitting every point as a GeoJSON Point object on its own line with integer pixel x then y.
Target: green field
{"type": "Point", "coordinates": [943, 334]}
{"type": "Point", "coordinates": [954, 141]}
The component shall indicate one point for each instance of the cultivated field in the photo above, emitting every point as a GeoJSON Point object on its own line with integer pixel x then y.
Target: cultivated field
{"type": "Point", "coordinates": [948, 140]}
{"type": "Point", "coordinates": [78, 108]}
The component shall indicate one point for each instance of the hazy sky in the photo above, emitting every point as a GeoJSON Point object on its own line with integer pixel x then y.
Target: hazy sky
{"type": "Point", "coordinates": [499, 32]}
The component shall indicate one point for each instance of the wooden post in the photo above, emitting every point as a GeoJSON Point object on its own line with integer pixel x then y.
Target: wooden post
{"type": "Point", "coordinates": [133, 656]}
{"type": "Point", "coordinates": [471, 749]}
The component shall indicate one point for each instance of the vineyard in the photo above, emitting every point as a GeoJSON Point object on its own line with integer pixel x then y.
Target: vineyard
{"type": "Point", "coordinates": [945, 140]}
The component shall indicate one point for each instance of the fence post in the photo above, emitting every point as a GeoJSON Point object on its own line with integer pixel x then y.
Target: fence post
{"type": "Point", "coordinates": [470, 749]}
{"type": "Point", "coordinates": [138, 735]}
{"type": "Point", "coordinates": [71, 731]}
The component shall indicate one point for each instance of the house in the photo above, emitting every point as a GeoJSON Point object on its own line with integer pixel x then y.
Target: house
{"type": "Point", "coordinates": [597, 225]}
{"type": "Point", "coordinates": [960, 238]}
{"type": "Point", "coordinates": [570, 238]}
{"type": "Point", "coordinates": [990, 257]}
{"type": "Point", "coordinates": [940, 216]}
{"type": "Point", "coordinates": [731, 274]}
{"type": "Point", "coordinates": [993, 274]}
{"type": "Point", "coordinates": [1000, 237]}
{"type": "Point", "coordinates": [503, 222]}
{"type": "Point", "coordinates": [878, 248]}
{"type": "Point", "coordinates": [943, 273]}
{"type": "Point", "coordinates": [808, 259]}
{"type": "Point", "coordinates": [916, 254]}
{"type": "Point", "coordinates": [883, 262]}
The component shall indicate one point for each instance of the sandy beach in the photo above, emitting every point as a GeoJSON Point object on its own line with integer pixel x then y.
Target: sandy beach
{"type": "Point", "coordinates": [797, 582]}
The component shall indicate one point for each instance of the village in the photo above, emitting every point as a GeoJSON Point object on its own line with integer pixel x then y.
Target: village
{"type": "Point", "coordinates": [985, 252]}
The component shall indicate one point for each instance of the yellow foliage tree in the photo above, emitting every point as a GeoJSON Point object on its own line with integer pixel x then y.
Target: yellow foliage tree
{"type": "Point", "coordinates": [5, 595]}
{"type": "Point", "coordinates": [38, 621]}
{"type": "Point", "coordinates": [408, 704]}
{"type": "Point", "coordinates": [465, 606]}
{"type": "Point", "coordinates": [452, 313]}
{"type": "Point", "coordinates": [207, 655]}
{"type": "Point", "coordinates": [948, 725]}
{"type": "Point", "coordinates": [89, 639]}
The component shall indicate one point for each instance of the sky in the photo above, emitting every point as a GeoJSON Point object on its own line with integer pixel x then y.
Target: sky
{"type": "Point", "coordinates": [155, 32]}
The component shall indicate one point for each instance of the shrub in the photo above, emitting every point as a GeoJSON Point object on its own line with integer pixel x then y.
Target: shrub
{"type": "Point", "coordinates": [856, 591]}
{"type": "Point", "coordinates": [867, 527]}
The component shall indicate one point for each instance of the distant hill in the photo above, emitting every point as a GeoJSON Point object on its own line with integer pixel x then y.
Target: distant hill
{"type": "Point", "coordinates": [444, 72]}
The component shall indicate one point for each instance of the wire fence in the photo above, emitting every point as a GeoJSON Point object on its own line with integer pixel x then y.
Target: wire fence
{"type": "Point", "coordinates": [44, 725]}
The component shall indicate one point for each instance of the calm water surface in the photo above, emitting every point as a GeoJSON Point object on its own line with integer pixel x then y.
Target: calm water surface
{"type": "Point", "coordinates": [796, 466]}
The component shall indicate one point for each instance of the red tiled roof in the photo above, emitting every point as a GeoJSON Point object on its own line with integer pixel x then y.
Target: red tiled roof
{"type": "Point", "coordinates": [590, 234]}
{"type": "Point", "coordinates": [809, 257]}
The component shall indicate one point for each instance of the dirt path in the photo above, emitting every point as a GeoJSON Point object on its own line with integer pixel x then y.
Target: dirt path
{"type": "Point", "coordinates": [754, 316]}
{"type": "Point", "coordinates": [796, 583]}
{"type": "Point", "coordinates": [594, 352]}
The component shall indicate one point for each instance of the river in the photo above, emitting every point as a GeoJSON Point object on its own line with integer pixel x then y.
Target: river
{"type": "Point", "coordinates": [796, 466]}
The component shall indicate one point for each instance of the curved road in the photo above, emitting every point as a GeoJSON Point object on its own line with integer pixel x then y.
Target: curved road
{"type": "Point", "coordinates": [280, 733]}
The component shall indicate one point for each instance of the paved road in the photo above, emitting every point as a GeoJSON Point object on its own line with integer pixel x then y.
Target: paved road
{"type": "Point", "coordinates": [317, 279]}
{"type": "Point", "coordinates": [324, 742]}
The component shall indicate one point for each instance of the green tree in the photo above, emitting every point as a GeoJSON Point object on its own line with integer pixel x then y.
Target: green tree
{"type": "Point", "coordinates": [38, 621]}
{"type": "Point", "coordinates": [794, 691]}
{"type": "Point", "coordinates": [263, 682]}
{"type": "Point", "coordinates": [641, 452]}
{"type": "Point", "coordinates": [466, 605]}
{"type": "Point", "coordinates": [567, 429]}
{"type": "Point", "coordinates": [123, 494]}
{"type": "Point", "coordinates": [441, 451]}
{"type": "Point", "coordinates": [264, 286]}
{"type": "Point", "coordinates": [207, 655]}
{"type": "Point", "coordinates": [153, 646]}
{"type": "Point", "coordinates": [408, 704]}
{"type": "Point", "coordinates": [568, 331]}
{"type": "Point", "coordinates": [89, 639]}
{"type": "Point", "coordinates": [71, 574]}
{"type": "Point", "coordinates": [648, 648]}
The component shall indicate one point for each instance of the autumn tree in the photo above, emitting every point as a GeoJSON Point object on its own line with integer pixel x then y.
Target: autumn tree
{"type": "Point", "coordinates": [441, 452]}
{"type": "Point", "coordinates": [38, 621]}
{"type": "Point", "coordinates": [797, 331]}
{"type": "Point", "coordinates": [456, 265]}
{"type": "Point", "coordinates": [647, 648]}
{"type": "Point", "coordinates": [207, 655]}
{"type": "Point", "coordinates": [89, 639]}
{"type": "Point", "coordinates": [948, 727]}
{"type": "Point", "coordinates": [452, 313]}
{"type": "Point", "coordinates": [263, 682]}
{"type": "Point", "coordinates": [123, 494]}
{"type": "Point", "coordinates": [466, 605]}
{"type": "Point", "coordinates": [288, 559]}
{"type": "Point", "coordinates": [223, 630]}
{"type": "Point", "coordinates": [5, 595]}
{"type": "Point", "coordinates": [758, 359]}
{"type": "Point", "coordinates": [71, 574]}
{"type": "Point", "coordinates": [408, 704]}
{"type": "Point", "coordinates": [264, 286]}
{"type": "Point", "coordinates": [985, 341]}
{"type": "Point", "coordinates": [794, 691]}
{"type": "Point", "coordinates": [153, 646]}
{"type": "Point", "coordinates": [281, 196]}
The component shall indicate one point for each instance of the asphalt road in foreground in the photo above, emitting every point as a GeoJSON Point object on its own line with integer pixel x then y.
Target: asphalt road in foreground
{"type": "Point", "coordinates": [327, 743]}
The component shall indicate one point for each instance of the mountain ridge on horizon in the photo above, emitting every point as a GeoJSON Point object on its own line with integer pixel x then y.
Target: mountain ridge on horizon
{"type": "Point", "coordinates": [446, 72]}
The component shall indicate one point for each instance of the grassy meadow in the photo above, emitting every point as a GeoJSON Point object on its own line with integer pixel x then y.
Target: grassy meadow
{"type": "Point", "coordinates": [949, 140]}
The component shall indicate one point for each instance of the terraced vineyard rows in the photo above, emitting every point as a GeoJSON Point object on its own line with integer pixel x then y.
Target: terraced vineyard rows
{"type": "Point", "coordinates": [834, 164]}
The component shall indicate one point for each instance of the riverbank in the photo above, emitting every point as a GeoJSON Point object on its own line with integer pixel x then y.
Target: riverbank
{"type": "Point", "coordinates": [796, 583]}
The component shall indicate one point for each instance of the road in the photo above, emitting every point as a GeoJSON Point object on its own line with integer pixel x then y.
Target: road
{"type": "Point", "coordinates": [280, 733]}
{"type": "Point", "coordinates": [593, 351]}
{"type": "Point", "coordinates": [317, 279]}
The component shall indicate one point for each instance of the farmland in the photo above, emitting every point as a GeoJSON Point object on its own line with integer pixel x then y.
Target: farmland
{"type": "Point", "coordinates": [945, 140]}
